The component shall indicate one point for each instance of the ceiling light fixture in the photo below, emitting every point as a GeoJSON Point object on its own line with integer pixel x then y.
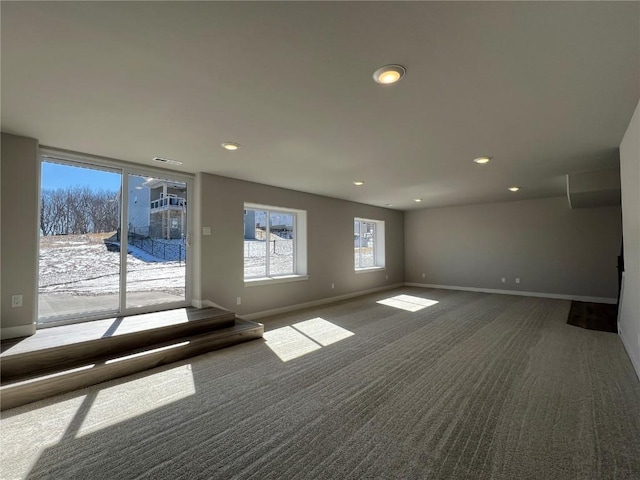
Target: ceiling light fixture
{"type": "Point", "coordinates": [358, 183]}
{"type": "Point", "coordinates": [514, 189]}
{"type": "Point", "coordinates": [389, 74]}
{"type": "Point", "coordinates": [417, 200]}
{"type": "Point", "coordinates": [231, 146]}
{"type": "Point", "coordinates": [482, 160]}
{"type": "Point", "coordinates": [167, 160]}
{"type": "Point", "coordinates": [388, 205]}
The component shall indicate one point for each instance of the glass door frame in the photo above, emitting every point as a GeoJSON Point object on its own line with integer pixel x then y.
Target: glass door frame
{"type": "Point", "coordinates": [124, 169]}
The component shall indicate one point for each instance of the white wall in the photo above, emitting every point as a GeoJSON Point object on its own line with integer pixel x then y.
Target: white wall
{"type": "Point", "coordinates": [629, 313]}
{"type": "Point", "coordinates": [550, 247]}
{"type": "Point", "coordinates": [20, 186]}
{"type": "Point", "coordinates": [330, 246]}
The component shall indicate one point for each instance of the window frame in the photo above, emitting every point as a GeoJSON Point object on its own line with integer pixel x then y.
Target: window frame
{"type": "Point", "coordinates": [299, 245]}
{"type": "Point", "coordinates": [378, 245]}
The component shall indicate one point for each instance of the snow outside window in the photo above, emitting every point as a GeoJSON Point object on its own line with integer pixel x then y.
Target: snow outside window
{"type": "Point", "coordinates": [368, 238]}
{"type": "Point", "coordinates": [274, 242]}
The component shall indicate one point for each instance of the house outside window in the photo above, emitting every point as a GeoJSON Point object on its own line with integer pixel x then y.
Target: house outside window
{"type": "Point", "coordinates": [274, 243]}
{"type": "Point", "coordinates": [368, 237]}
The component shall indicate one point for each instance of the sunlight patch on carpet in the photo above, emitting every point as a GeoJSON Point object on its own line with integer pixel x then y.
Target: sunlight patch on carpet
{"type": "Point", "coordinates": [121, 402]}
{"type": "Point", "coordinates": [25, 436]}
{"type": "Point", "coordinates": [304, 337]}
{"type": "Point", "coordinates": [407, 302]}
{"type": "Point", "coordinates": [322, 331]}
{"type": "Point", "coordinates": [287, 343]}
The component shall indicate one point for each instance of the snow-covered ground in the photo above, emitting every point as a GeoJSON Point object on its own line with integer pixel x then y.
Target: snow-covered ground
{"type": "Point", "coordinates": [281, 260]}
{"type": "Point", "coordinates": [280, 257]}
{"type": "Point", "coordinates": [82, 265]}
{"type": "Point", "coordinates": [366, 259]}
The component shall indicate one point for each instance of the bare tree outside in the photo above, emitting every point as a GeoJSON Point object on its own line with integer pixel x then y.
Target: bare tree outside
{"type": "Point", "coordinates": [77, 211]}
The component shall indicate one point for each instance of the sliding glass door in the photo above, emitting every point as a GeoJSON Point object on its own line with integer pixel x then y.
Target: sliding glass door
{"type": "Point", "coordinates": [79, 272]}
{"type": "Point", "coordinates": [157, 233]}
{"type": "Point", "coordinates": [112, 241]}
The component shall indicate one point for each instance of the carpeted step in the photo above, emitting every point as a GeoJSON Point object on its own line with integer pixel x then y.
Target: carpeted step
{"type": "Point", "coordinates": [20, 392]}
{"type": "Point", "coordinates": [61, 348]}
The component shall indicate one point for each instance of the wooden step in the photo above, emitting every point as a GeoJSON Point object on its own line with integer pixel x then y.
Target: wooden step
{"type": "Point", "coordinates": [22, 391]}
{"type": "Point", "coordinates": [61, 348]}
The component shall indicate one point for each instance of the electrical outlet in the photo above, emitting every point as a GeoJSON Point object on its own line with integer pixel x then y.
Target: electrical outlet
{"type": "Point", "coordinates": [333, 286]}
{"type": "Point", "coordinates": [517, 279]}
{"type": "Point", "coordinates": [16, 301]}
{"type": "Point", "coordinates": [504, 280]}
{"type": "Point", "coordinates": [238, 301]}
{"type": "Point", "coordinates": [424, 274]}
{"type": "Point", "coordinates": [386, 277]}
{"type": "Point", "coordinates": [206, 230]}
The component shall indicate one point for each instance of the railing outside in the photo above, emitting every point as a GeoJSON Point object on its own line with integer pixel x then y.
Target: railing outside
{"type": "Point", "coordinates": [163, 202]}
{"type": "Point", "coordinates": [170, 250]}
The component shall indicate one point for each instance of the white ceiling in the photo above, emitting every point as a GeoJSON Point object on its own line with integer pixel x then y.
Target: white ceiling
{"type": "Point", "coordinates": [545, 88]}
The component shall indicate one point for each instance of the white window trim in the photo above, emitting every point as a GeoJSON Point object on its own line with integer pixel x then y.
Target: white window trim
{"type": "Point", "coordinates": [370, 269]}
{"type": "Point", "coordinates": [378, 246]}
{"type": "Point", "coordinates": [254, 282]}
{"type": "Point", "coordinates": [299, 247]}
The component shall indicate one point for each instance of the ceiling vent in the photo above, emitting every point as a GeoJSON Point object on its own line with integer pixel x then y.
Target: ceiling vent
{"type": "Point", "coordinates": [599, 188]}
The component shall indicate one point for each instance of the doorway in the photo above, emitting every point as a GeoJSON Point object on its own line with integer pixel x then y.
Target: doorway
{"type": "Point", "coordinates": [113, 240]}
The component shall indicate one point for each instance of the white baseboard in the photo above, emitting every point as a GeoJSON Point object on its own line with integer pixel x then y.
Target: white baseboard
{"type": "Point", "coordinates": [324, 301]}
{"type": "Point", "coordinates": [18, 331]}
{"type": "Point", "coordinates": [197, 303]}
{"type": "Point", "coordinates": [577, 298]}
{"type": "Point", "coordinates": [315, 303]}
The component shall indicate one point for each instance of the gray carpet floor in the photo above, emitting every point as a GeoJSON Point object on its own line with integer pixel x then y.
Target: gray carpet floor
{"type": "Point", "coordinates": [475, 386]}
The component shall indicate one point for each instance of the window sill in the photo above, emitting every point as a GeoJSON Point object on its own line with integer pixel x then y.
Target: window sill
{"type": "Point", "coordinates": [254, 282]}
{"type": "Point", "coordinates": [370, 269]}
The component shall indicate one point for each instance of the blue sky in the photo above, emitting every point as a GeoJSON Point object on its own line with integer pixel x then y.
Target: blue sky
{"type": "Point", "coordinates": [56, 176]}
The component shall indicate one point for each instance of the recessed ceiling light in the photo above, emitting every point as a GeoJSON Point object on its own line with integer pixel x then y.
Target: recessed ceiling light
{"type": "Point", "coordinates": [388, 205]}
{"type": "Point", "coordinates": [167, 160]}
{"type": "Point", "coordinates": [417, 200]}
{"type": "Point", "coordinates": [389, 74]}
{"type": "Point", "coordinates": [482, 160]}
{"type": "Point", "coordinates": [357, 183]}
{"type": "Point", "coordinates": [231, 146]}
{"type": "Point", "coordinates": [514, 189]}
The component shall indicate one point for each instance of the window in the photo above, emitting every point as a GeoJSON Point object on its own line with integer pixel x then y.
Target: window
{"type": "Point", "coordinates": [368, 238]}
{"type": "Point", "coordinates": [274, 243]}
